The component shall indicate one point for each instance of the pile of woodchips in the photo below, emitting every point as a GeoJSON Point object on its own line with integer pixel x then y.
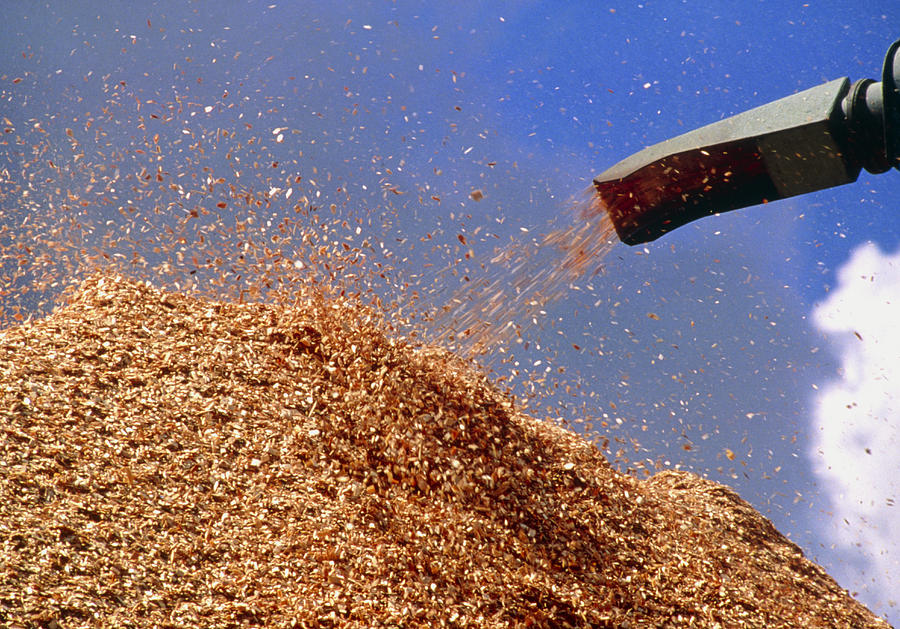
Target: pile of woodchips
{"type": "Point", "coordinates": [174, 462]}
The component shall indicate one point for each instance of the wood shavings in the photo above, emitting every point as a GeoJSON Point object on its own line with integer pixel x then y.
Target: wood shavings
{"type": "Point", "coordinates": [169, 461]}
{"type": "Point", "coordinates": [527, 276]}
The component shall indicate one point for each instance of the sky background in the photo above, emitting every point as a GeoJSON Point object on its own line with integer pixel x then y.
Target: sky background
{"type": "Point", "coordinates": [758, 348]}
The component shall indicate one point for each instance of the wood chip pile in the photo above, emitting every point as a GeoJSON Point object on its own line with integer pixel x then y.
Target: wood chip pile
{"type": "Point", "coordinates": [174, 462]}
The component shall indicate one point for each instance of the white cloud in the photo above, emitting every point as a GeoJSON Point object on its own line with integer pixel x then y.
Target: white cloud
{"type": "Point", "coordinates": [856, 426]}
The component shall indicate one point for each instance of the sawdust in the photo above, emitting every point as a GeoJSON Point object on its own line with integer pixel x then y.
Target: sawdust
{"type": "Point", "coordinates": [174, 462]}
{"type": "Point", "coordinates": [527, 276]}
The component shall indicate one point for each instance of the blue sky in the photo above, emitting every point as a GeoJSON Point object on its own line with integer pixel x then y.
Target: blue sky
{"type": "Point", "coordinates": [726, 336]}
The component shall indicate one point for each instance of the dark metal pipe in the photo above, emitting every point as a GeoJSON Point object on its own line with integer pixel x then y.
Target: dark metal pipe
{"type": "Point", "coordinates": [815, 139]}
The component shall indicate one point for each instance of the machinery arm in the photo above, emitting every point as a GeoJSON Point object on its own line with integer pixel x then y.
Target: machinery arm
{"type": "Point", "coordinates": [815, 139]}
